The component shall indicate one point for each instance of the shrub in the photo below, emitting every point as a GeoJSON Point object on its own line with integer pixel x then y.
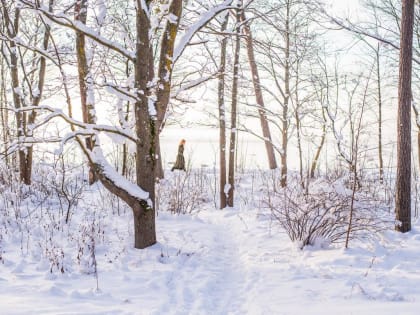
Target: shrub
{"type": "Point", "coordinates": [320, 215]}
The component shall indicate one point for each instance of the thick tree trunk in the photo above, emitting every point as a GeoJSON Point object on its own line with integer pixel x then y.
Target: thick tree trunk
{"type": "Point", "coordinates": [147, 133]}
{"type": "Point", "coordinates": [403, 181]}
{"type": "Point", "coordinates": [418, 144]}
{"type": "Point", "coordinates": [143, 210]}
{"type": "Point", "coordinates": [80, 14]}
{"type": "Point", "coordinates": [165, 69]}
{"type": "Point", "coordinates": [232, 143]}
{"type": "Point", "coordinates": [258, 94]}
{"type": "Point", "coordinates": [222, 116]}
{"type": "Point", "coordinates": [144, 226]}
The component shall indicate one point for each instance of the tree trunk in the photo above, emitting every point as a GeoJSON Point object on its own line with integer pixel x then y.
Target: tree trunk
{"type": "Point", "coordinates": [232, 143]}
{"type": "Point", "coordinates": [285, 123]}
{"type": "Point", "coordinates": [124, 166]}
{"type": "Point", "coordinates": [144, 226]}
{"type": "Point", "coordinates": [143, 210]}
{"type": "Point", "coordinates": [298, 128]}
{"type": "Point", "coordinates": [35, 100]}
{"type": "Point", "coordinates": [321, 145]}
{"type": "Point", "coordinates": [165, 69]}
{"type": "Point", "coordinates": [147, 133]}
{"type": "Point", "coordinates": [380, 155]}
{"type": "Point", "coordinates": [403, 181]}
{"type": "Point", "coordinates": [124, 119]}
{"type": "Point", "coordinates": [222, 115]}
{"type": "Point", "coordinates": [258, 94]}
{"type": "Point", "coordinates": [21, 119]}
{"type": "Point", "coordinates": [80, 14]}
{"type": "Point", "coordinates": [4, 113]}
{"type": "Point", "coordinates": [418, 144]}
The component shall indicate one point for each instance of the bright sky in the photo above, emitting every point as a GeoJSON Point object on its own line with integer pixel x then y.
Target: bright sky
{"type": "Point", "coordinates": [344, 7]}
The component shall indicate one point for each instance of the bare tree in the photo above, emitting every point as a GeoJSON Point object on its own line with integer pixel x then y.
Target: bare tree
{"type": "Point", "coordinates": [4, 113]}
{"type": "Point", "coordinates": [322, 88]}
{"type": "Point", "coordinates": [258, 94]}
{"type": "Point", "coordinates": [222, 114]}
{"type": "Point", "coordinates": [85, 78]}
{"type": "Point", "coordinates": [233, 113]}
{"type": "Point", "coordinates": [379, 94]}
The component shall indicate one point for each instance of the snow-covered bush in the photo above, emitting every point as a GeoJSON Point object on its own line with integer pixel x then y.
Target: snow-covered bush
{"type": "Point", "coordinates": [320, 213]}
{"type": "Point", "coordinates": [183, 192]}
{"type": "Point", "coordinates": [36, 218]}
{"type": "Point", "coordinates": [89, 235]}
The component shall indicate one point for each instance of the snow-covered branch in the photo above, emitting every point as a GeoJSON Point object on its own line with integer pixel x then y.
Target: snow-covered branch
{"type": "Point", "coordinates": [58, 113]}
{"type": "Point", "coordinates": [198, 25]}
{"type": "Point", "coordinates": [63, 20]}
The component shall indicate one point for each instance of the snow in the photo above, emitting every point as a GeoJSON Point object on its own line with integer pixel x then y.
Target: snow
{"type": "Point", "coordinates": [151, 107]}
{"type": "Point", "coordinates": [226, 189]}
{"type": "Point", "coordinates": [172, 18]}
{"type": "Point", "coordinates": [119, 180]}
{"type": "Point", "coordinates": [231, 261]}
{"type": "Point", "coordinates": [102, 12]}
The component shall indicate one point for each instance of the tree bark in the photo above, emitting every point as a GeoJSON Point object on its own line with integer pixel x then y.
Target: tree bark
{"type": "Point", "coordinates": [403, 181]}
{"type": "Point", "coordinates": [4, 113]}
{"type": "Point", "coordinates": [298, 128]}
{"type": "Point", "coordinates": [285, 122]}
{"type": "Point", "coordinates": [418, 144]}
{"type": "Point", "coordinates": [143, 210]}
{"type": "Point", "coordinates": [380, 154]}
{"type": "Point", "coordinates": [165, 69]}
{"type": "Point", "coordinates": [232, 143]}
{"type": "Point", "coordinates": [12, 26]}
{"type": "Point", "coordinates": [80, 14]}
{"type": "Point", "coordinates": [258, 94]}
{"type": "Point", "coordinates": [222, 115]}
{"type": "Point", "coordinates": [320, 146]}
{"type": "Point", "coordinates": [146, 131]}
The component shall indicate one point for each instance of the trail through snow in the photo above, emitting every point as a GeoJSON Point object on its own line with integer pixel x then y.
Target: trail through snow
{"type": "Point", "coordinates": [218, 263]}
{"type": "Point", "coordinates": [212, 281]}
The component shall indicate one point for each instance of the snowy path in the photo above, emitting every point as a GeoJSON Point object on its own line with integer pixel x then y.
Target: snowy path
{"type": "Point", "coordinates": [213, 281]}
{"type": "Point", "coordinates": [226, 262]}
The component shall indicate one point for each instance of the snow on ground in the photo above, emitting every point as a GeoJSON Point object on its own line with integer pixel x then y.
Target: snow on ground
{"type": "Point", "coordinates": [234, 261]}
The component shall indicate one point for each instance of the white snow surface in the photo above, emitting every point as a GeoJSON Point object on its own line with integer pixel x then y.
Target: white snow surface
{"type": "Point", "coordinates": [231, 261]}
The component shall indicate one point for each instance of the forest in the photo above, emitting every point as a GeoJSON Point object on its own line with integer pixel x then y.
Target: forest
{"type": "Point", "coordinates": [209, 156]}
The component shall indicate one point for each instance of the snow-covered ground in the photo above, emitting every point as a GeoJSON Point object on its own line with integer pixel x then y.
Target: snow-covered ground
{"type": "Point", "coordinates": [232, 261]}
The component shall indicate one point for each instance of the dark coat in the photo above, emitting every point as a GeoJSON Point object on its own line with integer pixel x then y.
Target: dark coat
{"type": "Point", "coordinates": [180, 160]}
